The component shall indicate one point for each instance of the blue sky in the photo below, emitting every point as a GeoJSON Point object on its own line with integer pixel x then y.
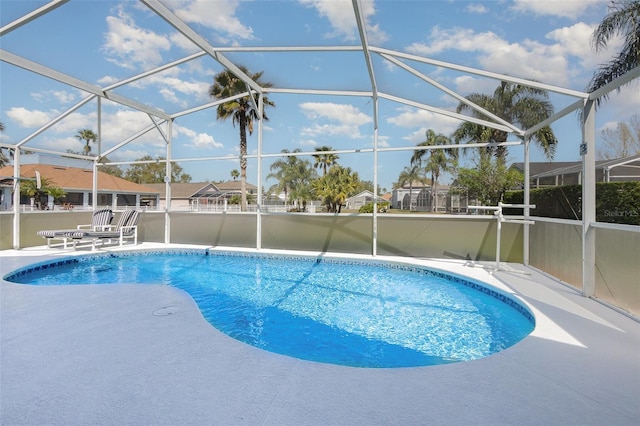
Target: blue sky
{"type": "Point", "coordinates": [103, 42]}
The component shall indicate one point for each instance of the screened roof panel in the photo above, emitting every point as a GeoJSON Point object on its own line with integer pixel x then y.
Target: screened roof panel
{"type": "Point", "coordinates": [104, 43]}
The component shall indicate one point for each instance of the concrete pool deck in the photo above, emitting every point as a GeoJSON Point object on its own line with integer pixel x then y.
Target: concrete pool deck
{"type": "Point", "coordinates": [143, 355]}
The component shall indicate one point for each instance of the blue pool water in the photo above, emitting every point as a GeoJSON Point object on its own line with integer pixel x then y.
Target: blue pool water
{"type": "Point", "coordinates": [359, 314]}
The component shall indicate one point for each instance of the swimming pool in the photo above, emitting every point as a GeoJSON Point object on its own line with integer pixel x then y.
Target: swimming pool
{"type": "Point", "coordinates": [346, 312]}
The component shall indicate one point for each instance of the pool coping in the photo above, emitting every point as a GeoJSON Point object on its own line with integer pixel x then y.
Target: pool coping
{"type": "Point", "coordinates": [98, 355]}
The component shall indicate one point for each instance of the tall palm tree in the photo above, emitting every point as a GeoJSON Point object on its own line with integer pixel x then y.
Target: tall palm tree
{"type": "Point", "coordinates": [623, 19]}
{"type": "Point", "coordinates": [439, 160]}
{"type": "Point", "coordinates": [4, 159]}
{"type": "Point", "coordinates": [325, 161]}
{"type": "Point", "coordinates": [336, 186]}
{"type": "Point", "coordinates": [518, 104]}
{"type": "Point", "coordinates": [88, 136]}
{"type": "Point", "coordinates": [409, 175]}
{"type": "Point", "coordinates": [30, 189]}
{"type": "Point", "coordinates": [294, 176]}
{"type": "Point", "coordinates": [241, 110]}
{"type": "Point", "coordinates": [282, 171]}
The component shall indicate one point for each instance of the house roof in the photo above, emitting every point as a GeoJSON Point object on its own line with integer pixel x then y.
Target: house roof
{"type": "Point", "coordinates": [365, 193]}
{"type": "Point", "coordinates": [536, 168]}
{"type": "Point", "coordinates": [545, 169]}
{"type": "Point", "coordinates": [179, 189]}
{"type": "Point", "coordinates": [77, 179]}
{"type": "Point", "coordinates": [234, 185]}
{"type": "Point", "coordinates": [198, 189]}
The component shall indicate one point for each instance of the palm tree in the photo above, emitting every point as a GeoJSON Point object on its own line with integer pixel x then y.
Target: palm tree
{"type": "Point", "coordinates": [30, 189]}
{"type": "Point", "coordinates": [325, 161]}
{"type": "Point", "coordinates": [294, 177]}
{"type": "Point", "coordinates": [409, 175]}
{"type": "Point", "coordinates": [518, 104]}
{"type": "Point", "coordinates": [235, 174]}
{"type": "Point", "coordinates": [623, 19]}
{"type": "Point", "coordinates": [241, 110]}
{"type": "Point", "coordinates": [88, 136]}
{"type": "Point", "coordinates": [282, 171]}
{"type": "Point", "coordinates": [439, 160]}
{"type": "Point", "coordinates": [336, 186]}
{"type": "Point", "coordinates": [4, 159]}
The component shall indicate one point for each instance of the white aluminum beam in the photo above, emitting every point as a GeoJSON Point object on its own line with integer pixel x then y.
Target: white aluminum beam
{"type": "Point", "coordinates": [171, 18]}
{"type": "Point", "coordinates": [77, 83]}
{"type": "Point", "coordinates": [451, 93]}
{"type": "Point", "coordinates": [447, 113]}
{"type": "Point", "coordinates": [615, 84]}
{"type": "Point", "coordinates": [55, 120]}
{"type": "Point", "coordinates": [502, 77]}
{"type": "Point", "coordinates": [31, 16]}
{"type": "Point", "coordinates": [360, 20]}
{"type": "Point", "coordinates": [588, 199]}
{"type": "Point", "coordinates": [555, 117]}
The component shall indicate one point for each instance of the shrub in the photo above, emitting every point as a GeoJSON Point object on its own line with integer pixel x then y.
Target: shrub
{"type": "Point", "coordinates": [616, 202]}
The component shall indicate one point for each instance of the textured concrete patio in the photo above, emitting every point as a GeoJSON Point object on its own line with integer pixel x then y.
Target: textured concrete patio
{"type": "Point", "coordinates": [143, 355]}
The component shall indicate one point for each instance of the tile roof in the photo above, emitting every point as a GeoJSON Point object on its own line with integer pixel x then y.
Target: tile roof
{"type": "Point", "coordinates": [73, 178]}
{"type": "Point", "coordinates": [187, 190]}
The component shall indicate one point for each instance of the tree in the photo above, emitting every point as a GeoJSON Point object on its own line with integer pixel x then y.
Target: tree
{"type": "Point", "coordinates": [410, 175]}
{"type": "Point", "coordinates": [488, 181]}
{"type": "Point", "coordinates": [56, 193]}
{"type": "Point", "coordinates": [110, 169]}
{"type": "Point", "coordinates": [294, 177]}
{"type": "Point", "coordinates": [30, 189]}
{"type": "Point", "coordinates": [4, 158]}
{"type": "Point", "coordinates": [325, 160]}
{"type": "Point", "coordinates": [336, 186]}
{"type": "Point", "coordinates": [88, 136]}
{"type": "Point", "coordinates": [518, 104]}
{"type": "Point", "coordinates": [623, 141]}
{"type": "Point", "coordinates": [235, 174]}
{"type": "Point", "coordinates": [154, 172]}
{"type": "Point", "coordinates": [623, 19]}
{"type": "Point", "coordinates": [242, 111]}
{"type": "Point", "coordinates": [439, 160]}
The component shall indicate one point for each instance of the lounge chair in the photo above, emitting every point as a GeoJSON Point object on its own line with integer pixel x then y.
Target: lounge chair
{"type": "Point", "coordinates": [126, 228]}
{"type": "Point", "coordinates": [99, 221]}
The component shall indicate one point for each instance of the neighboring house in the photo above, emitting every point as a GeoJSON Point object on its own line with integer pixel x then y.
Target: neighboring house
{"type": "Point", "coordinates": [425, 199]}
{"type": "Point", "coordinates": [78, 184]}
{"type": "Point", "coordinates": [570, 172]}
{"type": "Point", "coordinates": [405, 198]}
{"type": "Point", "coordinates": [200, 195]}
{"type": "Point", "coordinates": [361, 199]}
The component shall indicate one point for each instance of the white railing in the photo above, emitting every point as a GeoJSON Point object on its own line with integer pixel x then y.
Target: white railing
{"type": "Point", "coordinates": [497, 212]}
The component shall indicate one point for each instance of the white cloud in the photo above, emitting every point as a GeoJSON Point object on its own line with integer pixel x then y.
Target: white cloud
{"type": "Point", "coordinates": [308, 142]}
{"type": "Point", "coordinates": [29, 118]}
{"type": "Point", "coordinates": [468, 84]}
{"type": "Point", "coordinates": [576, 41]}
{"type": "Point", "coordinates": [566, 9]}
{"type": "Point", "coordinates": [422, 120]}
{"type": "Point", "coordinates": [342, 113]}
{"type": "Point", "coordinates": [63, 144]}
{"type": "Point", "coordinates": [348, 117]}
{"type": "Point", "coordinates": [548, 62]}
{"type": "Point", "coordinates": [383, 141]}
{"type": "Point", "coordinates": [130, 46]}
{"type": "Point", "coordinates": [475, 8]}
{"type": "Point", "coordinates": [340, 14]}
{"type": "Point", "coordinates": [197, 140]}
{"type": "Point", "coordinates": [61, 96]}
{"type": "Point", "coordinates": [219, 15]}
